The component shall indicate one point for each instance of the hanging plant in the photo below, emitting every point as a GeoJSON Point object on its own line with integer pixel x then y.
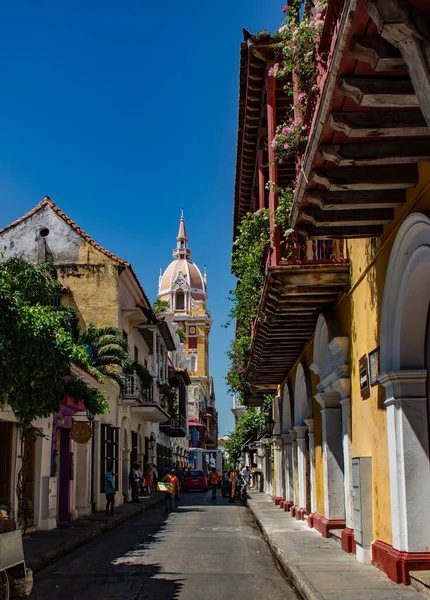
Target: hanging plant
{"type": "Point", "coordinates": [296, 49]}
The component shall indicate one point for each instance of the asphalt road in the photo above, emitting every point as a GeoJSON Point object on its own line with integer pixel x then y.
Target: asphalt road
{"type": "Point", "coordinates": [205, 549]}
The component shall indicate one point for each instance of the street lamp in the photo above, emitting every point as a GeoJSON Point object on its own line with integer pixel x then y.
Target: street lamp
{"type": "Point", "coordinates": [270, 425]}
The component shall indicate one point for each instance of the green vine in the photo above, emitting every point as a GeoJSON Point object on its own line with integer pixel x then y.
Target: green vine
{"type": "Point", "coordinates": [248, 428]}
{"type": "Point", "coordinates": [249, 253]}
{"type": "Point", "coordinates": [94, 400]}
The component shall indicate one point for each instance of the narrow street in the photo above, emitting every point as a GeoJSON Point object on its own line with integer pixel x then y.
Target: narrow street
{"type": "Point", "coordinates": [209, 549]}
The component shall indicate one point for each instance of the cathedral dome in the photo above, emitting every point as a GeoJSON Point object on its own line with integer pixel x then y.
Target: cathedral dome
{"type": "Point", "coordinates": [182, 275]}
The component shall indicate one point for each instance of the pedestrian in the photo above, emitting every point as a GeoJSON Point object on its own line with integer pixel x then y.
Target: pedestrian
{"type": "Point", "coordinates": [137, 480]}
{"type": "Point", "coordinates": [171, 479]}
{"type": "Point", "coordinates": [245, 474]}
{"type": "Point", "coordinates": [109, 490]}
{"type": "Point", "coordinates": [155, 477]}
{"type": "Point", "coordinates": [149, 473]}
{"type": "Point", "coordinates": [213, 481]}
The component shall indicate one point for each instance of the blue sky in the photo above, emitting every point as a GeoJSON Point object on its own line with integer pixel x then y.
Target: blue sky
{"type": "Point", "coordinates": [123, 112]}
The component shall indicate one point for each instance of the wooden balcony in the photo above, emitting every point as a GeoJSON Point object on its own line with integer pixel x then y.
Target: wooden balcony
{"type": "Point", "coordinates": [176, 426]}
{"type": "Point", "coordinates": [369, 119]}
{"type": "Point", "coordinates": [308, 279]}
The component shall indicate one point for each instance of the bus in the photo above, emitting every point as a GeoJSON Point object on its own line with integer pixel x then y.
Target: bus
{"type": "Point", "coordinates": [205, 460]}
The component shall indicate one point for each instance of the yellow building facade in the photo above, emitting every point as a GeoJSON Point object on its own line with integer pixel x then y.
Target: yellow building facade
{"type": "Point", "coordinates": [341, 339]}
{"type": "Point", "coordinates": [183, 288]}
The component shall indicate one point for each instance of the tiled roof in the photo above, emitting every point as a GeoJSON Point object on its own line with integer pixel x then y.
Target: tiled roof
{"type": "Point", "coordinates": [48, 202]}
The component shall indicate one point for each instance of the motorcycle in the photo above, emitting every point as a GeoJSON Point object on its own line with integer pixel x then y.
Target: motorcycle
{"type": "Point", "coordinates": [242, 490]}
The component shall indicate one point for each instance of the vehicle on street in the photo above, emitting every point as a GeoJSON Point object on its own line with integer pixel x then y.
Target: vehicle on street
{"type": "Point", "coordinates": [195, 479]}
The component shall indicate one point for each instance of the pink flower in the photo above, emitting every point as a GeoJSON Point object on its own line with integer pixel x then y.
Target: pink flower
{"type": "Point", "coordinates": [283, 28]}
{"type": "Point", "coordinates": [286, 131]}
{"type": "Point", "coordinates": [285, 9]}
{"type": "Point", "coordinates": [300, 97]}
{"type": "Point", "coordinates": [286, 146]}
{"type": "Point", "coordinates": [273, 70]}
{"type": "Point", "coordinates": [273, 144]}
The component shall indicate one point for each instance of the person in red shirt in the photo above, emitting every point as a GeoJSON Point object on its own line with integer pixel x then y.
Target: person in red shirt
{"type": "Point", "coordinates": [170, 498]}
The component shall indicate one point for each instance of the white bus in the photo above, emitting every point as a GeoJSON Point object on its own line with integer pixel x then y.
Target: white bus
{"type": "Point", "coordinates": [205, 460]}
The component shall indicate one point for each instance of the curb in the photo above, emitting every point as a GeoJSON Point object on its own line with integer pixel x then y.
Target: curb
{"type": "Point", "coordinates": [294, 574]}
{"type": "Point", "coordinates": [54, 554]}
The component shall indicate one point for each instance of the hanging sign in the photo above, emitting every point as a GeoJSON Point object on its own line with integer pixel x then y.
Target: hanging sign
{"type": "Point", "coordinates": [81, 432]}
{"type": "Point", "coordinates": [364, 376]}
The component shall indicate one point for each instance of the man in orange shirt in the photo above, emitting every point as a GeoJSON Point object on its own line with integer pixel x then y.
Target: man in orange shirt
{"type": "Point", "coordinates": [213, 482]}
{"type": "Point", "coordinates": [170, 498]}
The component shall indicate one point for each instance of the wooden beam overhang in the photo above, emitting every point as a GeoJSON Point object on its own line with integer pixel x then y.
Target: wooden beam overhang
{"type": "Point", "coordinates": [288, 314]}
{"type": "Point", "coordinates": [371, 123]}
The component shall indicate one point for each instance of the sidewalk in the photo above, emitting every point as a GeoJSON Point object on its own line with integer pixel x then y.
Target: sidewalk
{"type": "Point", "coordinates": [317, 567]}
{"type": "Point", "coordinates": [44, 547]}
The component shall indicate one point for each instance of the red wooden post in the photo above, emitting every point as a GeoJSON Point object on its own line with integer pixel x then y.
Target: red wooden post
{"type": "Point", "coordinates": [296, 247]}
{"type": "Point", "coordinates": [340, 248]}
{"type": "Point", "coordinates": [275, 237]}
{"type": "Point", "coordinates": [314, 250]}
{"type": "Point", "coordinates": [324, 249]}
{"type": "Point", "coordinates": [305, 248]}
{"type": "Point", "coordinates": [261, 182]}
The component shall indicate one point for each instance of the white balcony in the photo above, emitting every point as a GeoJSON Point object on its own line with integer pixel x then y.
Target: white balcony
{"type": "Point", "coordinates": [146, 403]}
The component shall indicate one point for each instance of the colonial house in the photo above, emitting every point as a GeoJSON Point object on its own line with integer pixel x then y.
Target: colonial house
{"type": "Point", "coordinates": [341, 340]}
{"type": "Point", "coordinates": [104, 290]}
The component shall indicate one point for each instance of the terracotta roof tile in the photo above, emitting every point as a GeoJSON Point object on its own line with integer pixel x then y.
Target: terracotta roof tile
{"type": "Point", "coordinates": [48, 202]}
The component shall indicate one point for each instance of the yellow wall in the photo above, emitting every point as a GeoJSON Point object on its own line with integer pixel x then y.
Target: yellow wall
{"type": "Point", "coordinates": [359, 314]}
{"type": "Point", "coordinates": [93, 283]}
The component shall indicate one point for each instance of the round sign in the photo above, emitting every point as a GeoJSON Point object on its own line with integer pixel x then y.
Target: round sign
{"type": "Point", "coordinates": [81, 432]}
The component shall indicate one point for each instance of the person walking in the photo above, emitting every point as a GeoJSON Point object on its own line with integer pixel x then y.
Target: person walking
{"type": "Point", "coordinates": [175, 493]}
{"type": "Point", "coordinates": [213, 481]}
{"type": "Point", "coordinates": [109, 490]}
{"type": "Point", "coordinates": [137, 479]}
{"type": "Point", "coordinates": [149, 474]}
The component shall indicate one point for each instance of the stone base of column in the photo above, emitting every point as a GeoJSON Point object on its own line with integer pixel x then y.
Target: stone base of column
{"type": "Point", "coordinates": [323, 525]}
{"type": "Point", "coordinates": [397, 564]}
{"type": "Point", "coordinates": [348, 542]}
{"type": "Point", "coordinates": [300, 513]}
{"type": "Point", "coordinates": [277, 500]}
{"type": "Point", "coordinates": [311, 520]}
{"type": "Point", "coordinates": [288, 505]}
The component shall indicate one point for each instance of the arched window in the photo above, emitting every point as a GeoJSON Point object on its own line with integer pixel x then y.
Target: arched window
{"type": "Point", "coordinates": [180, 300]}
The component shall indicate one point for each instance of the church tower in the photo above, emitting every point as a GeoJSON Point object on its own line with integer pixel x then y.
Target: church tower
{"type": "Point", "coordinates": [184, 288]}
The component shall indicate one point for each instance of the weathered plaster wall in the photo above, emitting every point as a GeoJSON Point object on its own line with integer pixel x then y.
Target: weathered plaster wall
{"type": "Point", "coordinates": [369, 261]}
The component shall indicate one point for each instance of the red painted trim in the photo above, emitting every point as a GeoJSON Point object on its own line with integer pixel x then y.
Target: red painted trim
{"type": "Point", "coordinates": [275, 238]}
{"type": "Point", "coordinates": [396, 564]}
{"type": "Point", "coordinates": [300, 513]}
{"type": "Point", "coordinates": [348, 541]}
{"type": "Point", "coordinates": [324, 525]}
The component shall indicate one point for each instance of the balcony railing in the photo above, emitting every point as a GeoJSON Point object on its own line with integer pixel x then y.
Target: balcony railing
{"type": "Point", "coordinates": [297, 249]}
{"type": "Point", "coordinates": [134, 392]}
{"type": "Point", "coordinates": [176, 425]}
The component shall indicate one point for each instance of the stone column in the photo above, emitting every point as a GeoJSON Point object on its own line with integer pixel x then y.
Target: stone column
{"type": "Point", "coordinates": [310, 424]}
{"type": "Point", "coordinates": [347, 461]}
{"type": "Point", "coordinates": [301, 463]}
{"type": "Point", "coordinates": [295, 482]}
{"type": "Point", "coordinates": [408, 454]}
{"type": "Point", "coordinates": [289, 467]}
{"type": "Point", "coordinates": [332, 456]}
{"type": "Point", "coordinates": [280, 467]}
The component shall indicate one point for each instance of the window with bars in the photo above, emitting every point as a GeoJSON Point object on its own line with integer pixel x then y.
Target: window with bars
{"type": "Point", "coordinates": [193, 363]}
{"type": "Point", "coordinates": [109, 453]}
